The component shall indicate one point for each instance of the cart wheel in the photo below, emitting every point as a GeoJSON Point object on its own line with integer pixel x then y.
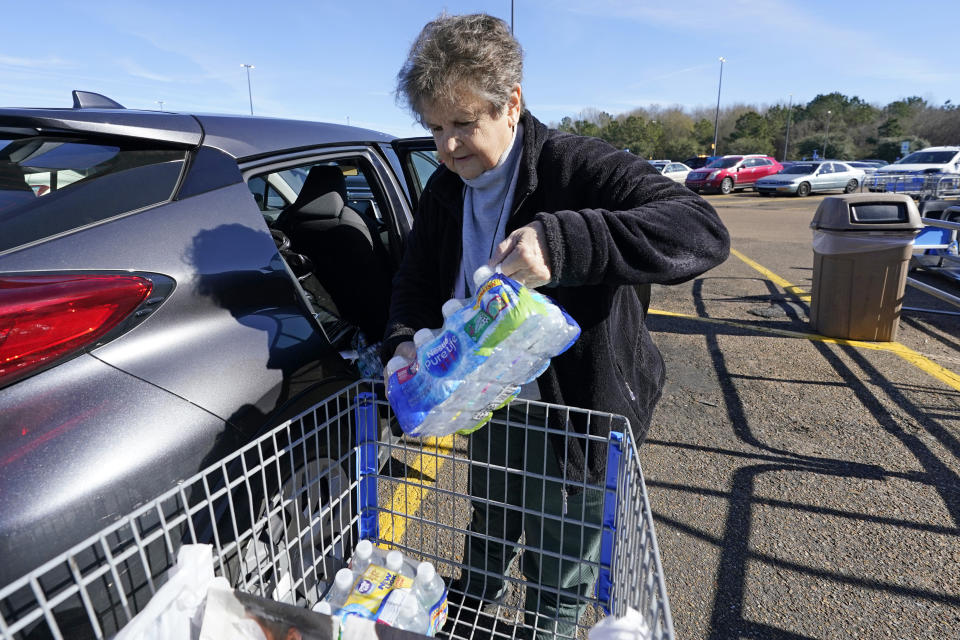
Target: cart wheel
{"type": "Point", "coordinates": [284, 559]}
{"type": "Point", "coordinates": [726, 186]}
{"type": "Point", "coordinates": [803, 190]}
{"type": "Point", "coordinates": [851, 186]}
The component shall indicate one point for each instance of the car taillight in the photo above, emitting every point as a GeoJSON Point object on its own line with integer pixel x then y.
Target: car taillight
{"type": "Point", "coordinates": [45, 318]}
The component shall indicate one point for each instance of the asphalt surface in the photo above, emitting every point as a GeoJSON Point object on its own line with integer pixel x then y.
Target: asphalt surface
{"type": "Point", "coordinates": [801, 488]}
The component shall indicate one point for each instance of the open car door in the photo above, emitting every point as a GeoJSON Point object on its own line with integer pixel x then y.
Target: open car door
{"type": "Point", "coordinates": [418, 158]}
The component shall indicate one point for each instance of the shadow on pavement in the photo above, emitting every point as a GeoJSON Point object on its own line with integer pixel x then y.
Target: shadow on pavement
{"type": "Point", "coordinates": [869, 387]}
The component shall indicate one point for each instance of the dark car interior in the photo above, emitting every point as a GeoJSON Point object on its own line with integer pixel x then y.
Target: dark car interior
{"type": "Point", "coordinates": [335, 240]}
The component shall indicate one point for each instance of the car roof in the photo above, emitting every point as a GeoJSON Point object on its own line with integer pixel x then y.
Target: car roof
{"type": "Point", "coordinates": [239, 136]}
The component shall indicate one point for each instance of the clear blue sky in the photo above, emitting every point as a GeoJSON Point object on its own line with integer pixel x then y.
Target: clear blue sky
{"type": "Point", "coordinates": [325, 60]}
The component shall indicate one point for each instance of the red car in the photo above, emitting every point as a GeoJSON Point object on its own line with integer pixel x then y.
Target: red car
{"type": "Point", "coordinates": [731, 172]}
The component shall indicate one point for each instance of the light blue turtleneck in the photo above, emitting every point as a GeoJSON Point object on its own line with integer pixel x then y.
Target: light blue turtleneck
{"type": "Point", "coordinates": [487, 200]}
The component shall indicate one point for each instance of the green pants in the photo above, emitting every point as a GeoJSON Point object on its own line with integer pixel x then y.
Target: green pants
{"type": "Point", "coordinates": [517, 488]}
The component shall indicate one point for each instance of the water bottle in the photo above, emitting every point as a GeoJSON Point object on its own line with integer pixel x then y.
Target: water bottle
{"type": "Point", "coordinates": [428, 586]}
{"type": "Point", "coordinates": [394, 364]}
{"type": "Point", "coordinates": [362, 557]}
{"type": "Point", "coordinates": [368, 356]}
{"type": "Point", "coordinates": [398, 564]}
{"type": "Point", "coordinates": [412, 616]}
{"type": "Point", "coordinates": [451, 306]}
{"type": "Point", "coordinates": [340, 591]}
{"type": "Point", "coordinates": [323, 607]}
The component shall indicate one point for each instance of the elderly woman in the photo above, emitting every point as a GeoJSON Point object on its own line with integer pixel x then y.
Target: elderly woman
{"type": "Point", "coordinates": [572, 215]}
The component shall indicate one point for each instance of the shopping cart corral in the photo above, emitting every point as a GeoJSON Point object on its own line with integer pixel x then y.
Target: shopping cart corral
{"type": "Point", "coordinates": [282, 519]}
{"type": "Point", "coordinates": [920, 186]}
{"type": "Point", "coordinates": [936, 250]}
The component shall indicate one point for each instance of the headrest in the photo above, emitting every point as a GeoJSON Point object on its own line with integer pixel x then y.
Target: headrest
{"type": "Point", "coordinates": [323, 195]}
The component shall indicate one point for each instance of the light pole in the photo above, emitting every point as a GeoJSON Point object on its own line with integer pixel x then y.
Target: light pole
{"type": "Point", "coordinates": [160, 102]}
{"type": "Point", "coordinates": [511, 17]}
{"type": "Point", "coordinates": [826, 135]}
{"type": "Point", "coordinates": [786, 142]}
{"type": "Point", "coordinates": [249, 90]}
{"type": "Point", "coordinates": [716, 121]}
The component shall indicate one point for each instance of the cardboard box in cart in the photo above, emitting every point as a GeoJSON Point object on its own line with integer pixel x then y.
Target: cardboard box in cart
{"type": "Point", "coordinates": [284, 513]}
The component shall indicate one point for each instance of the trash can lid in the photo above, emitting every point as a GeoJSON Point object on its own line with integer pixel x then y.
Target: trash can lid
{"type": "Point", "coordinates": [867, 212]}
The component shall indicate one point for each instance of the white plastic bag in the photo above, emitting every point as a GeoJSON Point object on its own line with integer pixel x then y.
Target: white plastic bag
{"type": "Point", "coordinates": [175, 611]}
{"type": "Point", "coordinates": [631, 626]}
{"type": "Point", "coordinates": [226, 617]}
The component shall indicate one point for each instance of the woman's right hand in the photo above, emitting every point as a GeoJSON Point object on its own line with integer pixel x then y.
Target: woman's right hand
{"type": "Point", "coordinates": [407, 351]}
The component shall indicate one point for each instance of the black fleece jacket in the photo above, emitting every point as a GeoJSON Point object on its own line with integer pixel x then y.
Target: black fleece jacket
{"type": "Point", "coordinates": [611, 221]}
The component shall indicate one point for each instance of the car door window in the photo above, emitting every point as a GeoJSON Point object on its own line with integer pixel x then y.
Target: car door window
{"type": "Point", "coordinates": [268, 199]}
{"type": "Point", "coordinates": [423, 164]}
{"type": "Point", "coordinates": [334, 229]}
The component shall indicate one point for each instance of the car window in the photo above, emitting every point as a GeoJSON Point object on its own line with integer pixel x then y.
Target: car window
{"type": "Point", "coordinates": [763, 162]}
{"type": "Point", "coordinates": [928, 157]}
{"type": "Point", "coordinates": [50, 184]}
{"type": "Point", "coordinates": [268, 198]}
{"type": "Point", "coordinates": [724, 163]}
{"type": "Point", "coordinates": [423, 163]}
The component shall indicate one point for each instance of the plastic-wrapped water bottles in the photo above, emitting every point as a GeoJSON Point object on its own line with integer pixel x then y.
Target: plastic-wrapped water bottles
{"type": "Point", "coordinates": [412, 616]}
{"type": "Point", "coordinates": [489, 345]}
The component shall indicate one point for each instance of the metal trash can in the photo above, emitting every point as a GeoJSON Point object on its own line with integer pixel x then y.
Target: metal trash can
{"type": "Point", "coordinates": [861, 253]}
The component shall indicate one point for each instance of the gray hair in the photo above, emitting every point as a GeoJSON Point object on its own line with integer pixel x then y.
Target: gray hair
{"type": "Point", "coordinates": [475, 52]}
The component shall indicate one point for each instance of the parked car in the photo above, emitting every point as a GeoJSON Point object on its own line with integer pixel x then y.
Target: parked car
{"type": "Point", "coordinates": [877, 161]}
{"type": "Point", "coordinates": [929, 160]}
{"type": "Point", "coordinates": [204, 278]}
{"type": "Point", "coordinates": [729, 173]}
{"type": "Point", "coordinates": [698, 162]}
{"type": "Point", "coordinates": [676, 171]}
{"type": "Point", "coordinates": [804, 178]}
{"type": "Point", "coordinates": [867, 167]}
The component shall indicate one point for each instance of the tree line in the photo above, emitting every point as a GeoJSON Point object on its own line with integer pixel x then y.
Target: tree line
{"type": "Point", "coordinates": [833, 125]}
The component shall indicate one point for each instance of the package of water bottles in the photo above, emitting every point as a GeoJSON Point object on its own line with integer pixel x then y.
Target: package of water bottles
{"type": "Point", "coordinates": [490, 344]}
{"type": "Point", "coordinates": [386, 587]}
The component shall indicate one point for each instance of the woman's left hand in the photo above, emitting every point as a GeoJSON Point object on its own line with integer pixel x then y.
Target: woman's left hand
{"type": "Point", "coordinates": [523, 256]}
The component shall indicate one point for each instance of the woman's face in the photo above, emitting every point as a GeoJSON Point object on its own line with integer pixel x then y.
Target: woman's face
{"type": "Point", "coordinates": [470, 136]}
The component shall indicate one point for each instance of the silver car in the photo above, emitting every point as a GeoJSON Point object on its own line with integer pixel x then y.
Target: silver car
{"type": "Point", "coordinates": [171, 286]}
{"type": "Point", "coordinates": [803, 178]}
{"type": "Point", "coordinates": [676, 171]}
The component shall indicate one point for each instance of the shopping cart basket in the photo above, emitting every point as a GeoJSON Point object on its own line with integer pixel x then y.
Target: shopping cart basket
{"type": "Point", "coordinates": [284, 513]}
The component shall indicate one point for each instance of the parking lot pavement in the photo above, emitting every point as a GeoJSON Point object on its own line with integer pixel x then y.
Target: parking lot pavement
{"type": "Point", "coordinates": [801, 487]}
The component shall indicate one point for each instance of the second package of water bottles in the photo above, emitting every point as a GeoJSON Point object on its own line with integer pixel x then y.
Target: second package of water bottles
{"type": "Point", "coordinates": [387, 587]}
{"type": "Point", "coordinates": [489, 345]}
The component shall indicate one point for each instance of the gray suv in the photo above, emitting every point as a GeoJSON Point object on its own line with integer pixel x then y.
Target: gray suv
{"type": "Point", "coordinates": [172, 285]}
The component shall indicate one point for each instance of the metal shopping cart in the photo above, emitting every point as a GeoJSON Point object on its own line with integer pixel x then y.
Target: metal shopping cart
{"type": "Point", "coordinates": [929, 186]}
{"type": "Point", "coordinates": [284, 513]}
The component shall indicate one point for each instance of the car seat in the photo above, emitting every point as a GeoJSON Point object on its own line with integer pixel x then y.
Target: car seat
{"type": "Point", "coordinates": [349, 259]}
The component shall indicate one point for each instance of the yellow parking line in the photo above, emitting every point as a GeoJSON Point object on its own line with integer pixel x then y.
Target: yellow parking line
{"type": "Point", "coordinates": [407, 497]}
{"type": "Point", "coordinates": [793, 290]}
{"type": "Point", "coordinates": [921, 362]}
